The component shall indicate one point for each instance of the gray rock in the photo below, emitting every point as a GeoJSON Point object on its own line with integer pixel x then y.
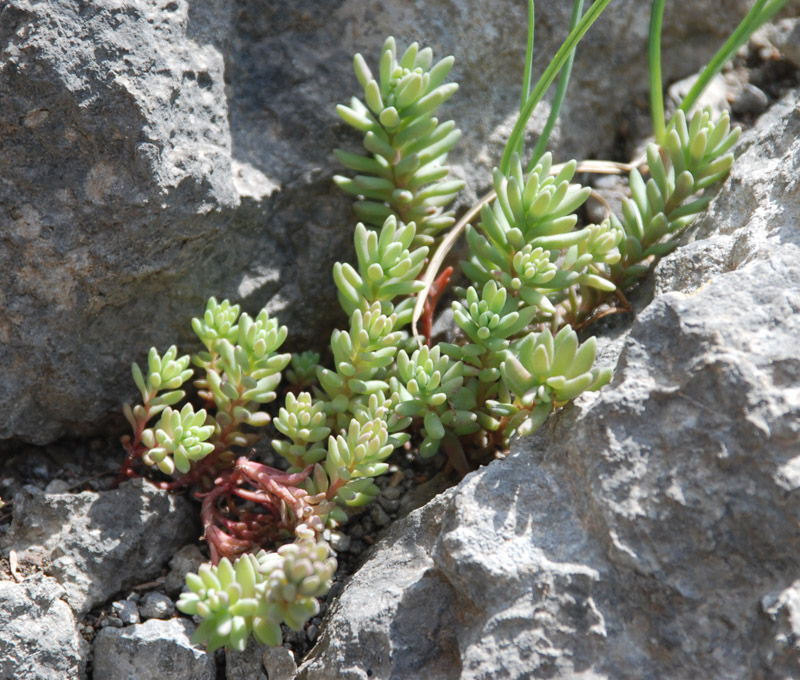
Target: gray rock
{"type": "Point", "coordinates": [279, 663]}
{"type": "Point", "coordinates": [247, 664]}
{"type": "Point", "coordinates": [126, 611]}
{"type": "Point", "coordinates": [96, 544]}
{"type": "Point", "coordinates": [156, 606]}
{"type": "Point", "coordinates": [647, 531]}
{"type": "Point", "coordinates": [38, 634]}
{"type": "Point", "coordinates": [153, 650]}
{"type": "Point", "coordinates": [394, 617]}
{"type": "Point", "coordinates": [187, 559]}
{"type": "Point", "coordinates": [155, 154]}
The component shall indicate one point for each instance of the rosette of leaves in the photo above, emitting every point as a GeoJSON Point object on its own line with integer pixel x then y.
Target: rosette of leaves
{"type": "Point", "coordinates": [303, 420]}
{"type": "Point", "coordinates": [387, 269]}
{"type": "Point", "coordinates": [178, 439]}
{"type": "Point", "coordinates": [257, 593]}
{"type": "Point", "coordinates": [361, 356]}
{"type": "Point", "coordinates": [695, 156]}
{"type": "Point", "coordinates": [544, 372]}
{"type": "Point", "coordinates": [528, 242]}
{"type": "Point", "coordinates": [218, 321]}
{"type": "Point", "coordinates": [405, 175]}
{"type": "Point", "coordinates": [428, 384]}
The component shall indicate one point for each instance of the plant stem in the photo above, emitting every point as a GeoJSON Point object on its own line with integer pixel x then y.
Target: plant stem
{"type": "Point", "coordinates": [547, 78]}
{"type": "Point", "coordinates": [561, 91]}
{"type": "Point", "coordinates": [526, 78]}
{"type": "Point", "coordinates": [654, 64]}
{"type": "Point", "coordinates": [757, 15]}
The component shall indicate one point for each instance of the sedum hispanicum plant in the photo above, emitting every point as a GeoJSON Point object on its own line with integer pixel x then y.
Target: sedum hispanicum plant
{"type": "Point", "coordinates": [536, 275]}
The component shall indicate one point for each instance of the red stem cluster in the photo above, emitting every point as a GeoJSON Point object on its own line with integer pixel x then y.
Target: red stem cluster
{"type": "Point", "coordinates": [232, 529]}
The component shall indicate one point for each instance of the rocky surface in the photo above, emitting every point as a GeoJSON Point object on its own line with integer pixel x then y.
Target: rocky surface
{"type": "Point", "coordinates": [649, 531]}
{"type": "Point", "coordinates": [96, 544]}
{"type": "Point", "coordinates": [38, 635]}
{"type": "Point", "coordinates": [156, 153]}
{"type": "Point", "coordinates": [153, 650]}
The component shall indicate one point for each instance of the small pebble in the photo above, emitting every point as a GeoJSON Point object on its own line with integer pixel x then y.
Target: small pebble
{"type": "Point", "coordinates": [388, 504]}
{"type": "Point", "coordinates": [57, 486]}
{"type": "Point", "coordinates": [752, 100]}
{"type": "Point", "coordinates": [134, 597]}
{"type": "Point", "coordinates": [112, 621]}
{"type": "Point", "coordinates": [187, 559]}
{"type": "Point", "coordinates": [312, 632]}
{"type": "Point", "coordinates": [340, 542]}
{"type": "Point", "coordinates": [127, 611]}
{"type": "Point", "coordinates": [392, 493]}
{"type": "Point", "coordinates": [279, 663]}
{"type": "Point", "coordinates": [379, 516]}
{"type": "Point", "coordinates": [156, 606]}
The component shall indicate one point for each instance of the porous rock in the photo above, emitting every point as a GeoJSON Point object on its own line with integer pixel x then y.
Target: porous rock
{"type": "Point", "coordinates": [153, 650]}
{"type": "Point", "coordinates": [156, 153]}
{"type": "Point", "coordinates": [38, 636]}
{"type": "Point", "coordinates": [96, 544]}
{"type": "Point", "coordinates": [247, 664]}
{"type": "Point", "coordinates": [647, 531]}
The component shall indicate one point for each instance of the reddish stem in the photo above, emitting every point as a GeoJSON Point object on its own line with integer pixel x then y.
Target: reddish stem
{"type": "Point", "coordinates": [437, 288]}
{"type": "Point", "coordinates": [231, 530]}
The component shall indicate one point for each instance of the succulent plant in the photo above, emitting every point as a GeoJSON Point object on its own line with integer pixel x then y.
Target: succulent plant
{"type": "Point", "coordinates": [532, 268]}
{"type": "Point", "coordinates": [404, 176]}
{"type": "Point", "coordinates": [178, 438]}
{"type": "Point", "coordinates": [303, 420]}
{"type": "Point", "coordinates": [696, 154]}
{"type": "Point", "coordinates": [258, 592]}
{"type": "Point", "coordinates": [302, 371]}
{"type": "Point", "coordinates": [387, 269]}
{"type": "Point", "coordinates": [427, 385]}
{"type": "Point", "coordinates": [545, 372]}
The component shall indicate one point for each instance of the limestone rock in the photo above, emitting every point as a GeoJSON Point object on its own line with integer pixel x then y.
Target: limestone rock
{"type": "Point", "coordinates": [38, 636]}
{"type": "Point", "coordinates": [96, 544]}
{"type": "Point", "coordinates": [153, 650]}
{"type": "Point", "coordinates": [647, 531]}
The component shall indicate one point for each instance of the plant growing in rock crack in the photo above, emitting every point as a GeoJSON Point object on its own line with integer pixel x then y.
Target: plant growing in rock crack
{"type": "Point", "coordinates": [535, 275]}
